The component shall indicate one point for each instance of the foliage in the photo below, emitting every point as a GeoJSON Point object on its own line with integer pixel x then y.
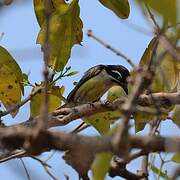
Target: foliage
{"type": "Point", "coordinates": [60, 29]}
{"type": "Point", "coordinates": [11, 80]}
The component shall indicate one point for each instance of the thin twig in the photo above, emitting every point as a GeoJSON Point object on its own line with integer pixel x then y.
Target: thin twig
{"type": "Point", "coordinates": [8, 157]}
{"type": "Point", "coordinates": [157, 28]}
{"type": "Point", "coordinates": [78, 127]}
{"type": "Point", "coordinates": [25, 168]}
{"type": "Point", "coordinates": [165, 42]}
{"type": "Point", "coordinates": [137, 28]}
{"type": "Point", "coordinates": [118, 53]}
{"type": "Point", "coordinates": [49, 173]}
{"type": "Point", "coordinates": [81, 128]}
{"type": "Point", "coordinates": [52, 154]}
{"type": "Point", "coordinates": [42, 162]}
{"type": "Point", "coordinates": [46, 55]}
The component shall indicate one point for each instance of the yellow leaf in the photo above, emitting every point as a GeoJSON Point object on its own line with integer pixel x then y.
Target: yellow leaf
{"type": "Point", "coordinates": [40, 10]}
{"type": "Point", "coordinates": [167, 73]}
{"type": "Point", "coordinates": [101, 165]}
{"type": "Point", "coordinates": [119, 7]}
{"type": "Point", "coordinates": [65, 30]}
{"type": "Point", "coordinates": [102, 121]}
{"type": "Point", "coordinates": [55, 94]}
{"type": "Point", "coordinates": [11, 80]}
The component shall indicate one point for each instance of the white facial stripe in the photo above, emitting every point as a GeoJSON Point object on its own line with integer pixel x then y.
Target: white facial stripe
{"type": "Point", "coordinates": [117, 72]}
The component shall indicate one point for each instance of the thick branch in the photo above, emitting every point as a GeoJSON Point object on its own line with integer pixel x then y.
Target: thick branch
{"type": "Point", "coordinates": [20, 137]}
{"type": "Point", "coordinates": [67, 115]}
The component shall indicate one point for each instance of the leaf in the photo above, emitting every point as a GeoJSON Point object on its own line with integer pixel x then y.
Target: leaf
{"type": "Point", "coordinates": [102, 121]}
{"type": "Point", "coordinates": [25, 80]}
{"type": "Point", "coordinates": [40, 10]}
{"type": "Point", "coordinates": [119, 7]}
{"type": "Point", "coordinates": [176, 158]}
{"type": "Point", "coordinates": [167, 74]}
{"type": "Point", "coordinates": [168, 9]}
{"type": "Point", "coordinates": [139, 124]}
{"type": "Point", "coordinates": [55, 94]}
{"type": "Point", "coordinates": [159, 172]}
{"type": "Point", "coordinates": [101, 165]}
{"type": "Point", "coordinates": [65, 30]}
{"type": "Point", "coordinates": [176, 115]}
{"type": "Point", "coordinates": [11, 80]}
{"type": "Point", "coordinates": [72, 73]}
{"type": "Point", "coordinates": [148, 52]}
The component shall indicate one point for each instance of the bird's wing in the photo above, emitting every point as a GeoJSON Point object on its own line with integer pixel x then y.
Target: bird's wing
{"type": "Point", "coordinates": [87, 75]}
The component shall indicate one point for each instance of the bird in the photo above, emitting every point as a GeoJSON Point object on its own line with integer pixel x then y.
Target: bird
{"type": "Point", "coordinates": [96, 82]}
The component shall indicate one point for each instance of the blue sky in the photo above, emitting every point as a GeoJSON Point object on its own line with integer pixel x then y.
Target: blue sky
{"type": "Point", "coordinates": [20, 28]}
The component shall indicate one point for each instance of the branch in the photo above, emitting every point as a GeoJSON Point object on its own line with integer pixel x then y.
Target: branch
{"type": "Point", "coordinates": [64, 116]}
{"type": "Point", "coordinates": [20, 137]}
{"type": "Point", "coordinates": [118, 168]}
{"type": "Point", "coordinates": [118, 53]}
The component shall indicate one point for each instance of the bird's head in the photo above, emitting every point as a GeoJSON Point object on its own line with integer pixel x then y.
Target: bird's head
{"type": "Point", "coordinates": [118, 75]}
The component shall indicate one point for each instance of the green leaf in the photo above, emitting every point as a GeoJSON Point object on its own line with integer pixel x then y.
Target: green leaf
{"type": "Point", "coordinates": [72, 73]}
{"type": "Point", "coordinates": [139, 124]}
{"type": "Point", "coordinates": [65, 30]}
{"type": "Point", "coordinates": [55, 94]}
{"type": "Point", "coordinates": [176, 115]}
{"type": "Point", "coordinates": [11, 80]}
{"type": "Point", "coordinates": [168, 9]}
{"type": "Point", "coordinates": [176, 158]}
{"type": "Point", "coordinates": [102, 121]}
{"type": "Point", "coordinates": [101, 165]}
{"type": "Point", "coordinates": [26, 81]}
{"type": "Point", "coordinates": [159, 172]}
{"type": "Point", "coordinates": [119, 7]}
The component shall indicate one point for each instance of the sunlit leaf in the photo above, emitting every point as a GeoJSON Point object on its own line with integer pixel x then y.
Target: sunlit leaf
{"type": "Point", "coordinates": [11, 80]}
{"type": "Point", "coordinates": [55, 94]}
{"type": "Point", "coordinates": [159, 172]}
{"type": "Point", "coordinates": [168, 9]}
{"type": "Point", "coordinates": [176, 158]}
{"type": "Point", "coordinates": [101, 165]}
{"type": "Point", "coordinates": [65, 30]}
{"type": "Point", "coordinates": [119, 7]}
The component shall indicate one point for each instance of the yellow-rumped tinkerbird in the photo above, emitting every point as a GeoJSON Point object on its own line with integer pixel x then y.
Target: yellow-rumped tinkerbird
{"type": "Point", "coordinates": [95, 82]}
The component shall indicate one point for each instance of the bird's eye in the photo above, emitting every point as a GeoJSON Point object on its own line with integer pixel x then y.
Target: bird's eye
{"type": "Point", "coordinates": [117, 73]}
